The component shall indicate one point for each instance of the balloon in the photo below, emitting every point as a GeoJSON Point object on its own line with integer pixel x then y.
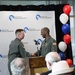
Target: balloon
{"type": "Point", "coordinates": [65, 28]}
{"type": "Point", "coordinates": [62, 56]}
{"type": "Point", "coordinates": [69, 61]}
{"type": "Point", "coordinates": [63, 18]}
{"type": "Point", "coordinates": [62, 46]}
{"type": "Point", "coordinates": [67, 38]}
{"type": "Point", "coordinates": [67, 9]}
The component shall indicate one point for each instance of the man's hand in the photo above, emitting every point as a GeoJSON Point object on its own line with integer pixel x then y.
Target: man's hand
{"type": "Point", "coordinates": [34, 54]}
{"type": "Point", "coordinates": [37, 74]}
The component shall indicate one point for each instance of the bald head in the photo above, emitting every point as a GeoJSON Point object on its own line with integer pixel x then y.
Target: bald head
{"type": "Point", "coordinates": [45, 32]}
{"type": "Point", "coordinates": [17, 66]}
{"type": "Point", "coordinates": [19, 62]}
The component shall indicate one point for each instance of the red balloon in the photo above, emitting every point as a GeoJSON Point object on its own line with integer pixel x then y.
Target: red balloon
{"type": "Point", "coordinates": [69, 61]}
{"type": "Point", "coordinates": [67, 9]}
{"type": "Point", "coordinates": [67, 38]}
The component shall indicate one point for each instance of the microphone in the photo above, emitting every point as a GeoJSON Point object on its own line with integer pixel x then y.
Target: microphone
{"type": "Point", "coordinates": [36, 42]}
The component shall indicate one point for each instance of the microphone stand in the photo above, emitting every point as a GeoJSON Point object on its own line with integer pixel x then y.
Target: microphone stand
{"type": "Point", "coordinates": [37, 50]}
{"type": "Point", "coordinates": [37, 43]}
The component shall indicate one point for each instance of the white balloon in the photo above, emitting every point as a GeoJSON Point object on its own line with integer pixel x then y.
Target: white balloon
{"type": "Point", "coordinates": [62, 46]}
{"type": "Point", "coordinates": [63, 18]}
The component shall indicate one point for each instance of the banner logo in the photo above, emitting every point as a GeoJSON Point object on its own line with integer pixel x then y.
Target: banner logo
{"type": "Point", "coordinates": [26, 29]}
{"type": "Point", "coordinates": [42, 17]}
{"type": "Point", "coordinates": [6, 30]}
{"type": "Point", "coordinates": [11, 17]}
{"type": "Point", "coordinates": [38, 16]}
{"type": "Point", "coordinates": [39, 40]}
{"type": "Point", "coordinates": [30, 29]}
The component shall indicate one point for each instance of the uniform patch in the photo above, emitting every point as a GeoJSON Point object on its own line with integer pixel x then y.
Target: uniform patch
{"type": "Point", "coordinates": [54, 43]}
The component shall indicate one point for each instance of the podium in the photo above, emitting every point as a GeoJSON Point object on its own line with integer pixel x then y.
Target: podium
{"type": "Point", "coordinates": [34, 63]}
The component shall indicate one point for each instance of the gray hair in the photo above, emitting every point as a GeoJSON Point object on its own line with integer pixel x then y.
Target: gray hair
{"type": "Point", "coordinates": [52, 57]}
{"type": "Point", "coordinates": [17, 69]}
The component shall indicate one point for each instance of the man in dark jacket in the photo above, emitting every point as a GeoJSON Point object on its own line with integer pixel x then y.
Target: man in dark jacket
{"type": "Point", "coordinates": [16, 48]}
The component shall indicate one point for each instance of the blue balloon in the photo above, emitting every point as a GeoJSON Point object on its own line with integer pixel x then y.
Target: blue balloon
{"type": "Point", "coordinates": [62, 56]}
{"type": "Point", "coordinates": [65, 28]}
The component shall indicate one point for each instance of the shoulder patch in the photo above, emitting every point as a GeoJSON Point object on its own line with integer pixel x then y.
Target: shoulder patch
{"type": "Point", "coordinates": [54, 43]}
